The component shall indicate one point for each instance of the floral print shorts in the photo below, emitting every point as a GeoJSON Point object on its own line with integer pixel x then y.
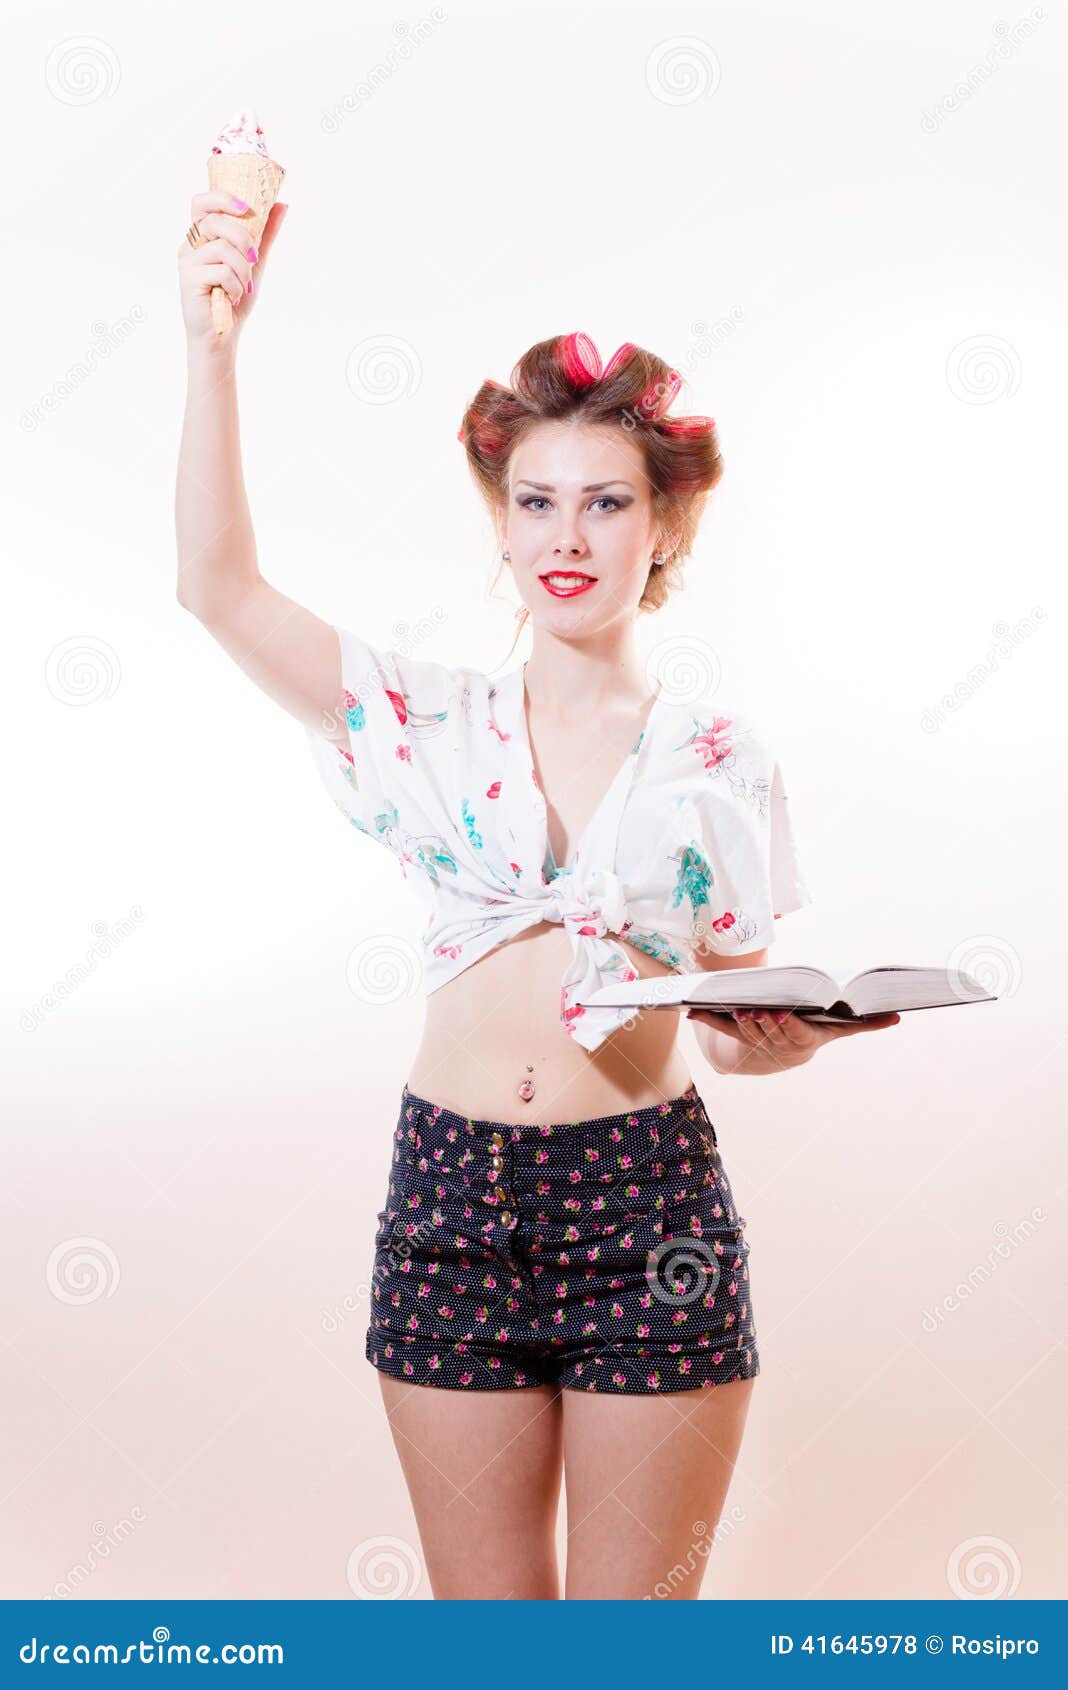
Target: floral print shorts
{"type": "Point", "coordinates": [602, 1255]}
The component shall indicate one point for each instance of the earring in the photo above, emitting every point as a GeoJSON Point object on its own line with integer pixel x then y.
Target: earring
{"type": "Point", "coordinates": [657, 560]}
{"type": "Point", "coordinates": [506, 556]}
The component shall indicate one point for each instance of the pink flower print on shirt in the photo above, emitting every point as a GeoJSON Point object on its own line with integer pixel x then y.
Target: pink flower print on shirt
{"type": "Point", "coordinates": [403, 753]}
{"type": "Point", "coordinates": [713, 744]}
{"type": "Point", "coordinates": [399, 706]}
{"type": "Point", "coordinates": [354, 713]}
{"type": "Point", "coordinates": [494, 791]}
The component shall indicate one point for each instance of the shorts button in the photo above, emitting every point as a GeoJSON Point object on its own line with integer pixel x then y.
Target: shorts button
{"type": "Point", "coordinates": [506, 1218]}
{"type": "Point", "coordinates": [500, 1193]}
{"type": "Point", "coordinates": [496, 1142]}
{"type": "Point", "coordinates": [497, 1163]}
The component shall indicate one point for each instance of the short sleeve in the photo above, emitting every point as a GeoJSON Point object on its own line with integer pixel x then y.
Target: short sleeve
{"type": "Point", "coordinates": [391, 704]}
{"type": "Point", "coordinates": [752, 870]}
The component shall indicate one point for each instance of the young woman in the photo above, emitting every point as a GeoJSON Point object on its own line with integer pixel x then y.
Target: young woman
{"type": "Point", "coordinates": [561, 1283]}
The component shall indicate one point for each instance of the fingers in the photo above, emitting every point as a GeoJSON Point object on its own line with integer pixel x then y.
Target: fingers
{"type": "Point", "coordinates": [723, 1023]}
{"type": "Point", "coordinates": [223, 272]}
{"type": "Point", "coordinates": [758, 1029]}
{"type": "Point", "coordinates": [231, 229]}
{"type": "Point", "coordinates": [785, 1037]}
{"type": "Point", "coordinates": [215, 200]}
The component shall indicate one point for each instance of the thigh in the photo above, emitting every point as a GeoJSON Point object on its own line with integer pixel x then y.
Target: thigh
{"type": "Point", "coordinates": [646, 1478]}
{"type": "Point", "coordinates": [483, 1471]}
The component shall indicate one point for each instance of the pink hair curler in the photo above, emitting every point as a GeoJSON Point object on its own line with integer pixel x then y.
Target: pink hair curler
{"type": "Point", "coordinates": [581, 360]}
{"type": "Point", "coordinates": [658, 396]}
{"type": "Point", "coordinates": [619, 356]}
{"type": "Point", "coordinates": [689, 428]}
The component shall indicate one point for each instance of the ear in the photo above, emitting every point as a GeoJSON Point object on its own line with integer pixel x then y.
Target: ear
{"type": "Point", "coordinates": [667, 540]}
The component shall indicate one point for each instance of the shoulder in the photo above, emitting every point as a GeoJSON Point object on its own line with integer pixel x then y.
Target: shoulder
{"type": "Point", "coordinates": [400, 676]}
{"type": "Point", "coordinates": [708, 741]}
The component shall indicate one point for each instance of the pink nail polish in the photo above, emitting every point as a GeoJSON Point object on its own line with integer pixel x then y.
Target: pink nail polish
{"type": "Point", "coordinates": [241, 206]}
{"type": "Point", "coordinates": [780, 1015]}
{"type": "Point", "coordinates": [249, 288]}
{"type": "Point", "coordinates": [251, 254]}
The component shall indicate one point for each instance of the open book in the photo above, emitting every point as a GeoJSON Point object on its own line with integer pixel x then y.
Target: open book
{"type": "Point", "coordinates": [809, 992]}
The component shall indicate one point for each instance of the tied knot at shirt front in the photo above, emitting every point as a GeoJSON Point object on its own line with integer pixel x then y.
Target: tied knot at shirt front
{"type": "Point", "coordinates": [588, 911]}
{"type": "Point", "coordinates": [690, 849]}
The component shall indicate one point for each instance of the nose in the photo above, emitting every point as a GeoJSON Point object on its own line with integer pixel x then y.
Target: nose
{"type": "Point", "coordinates": [569, 543]}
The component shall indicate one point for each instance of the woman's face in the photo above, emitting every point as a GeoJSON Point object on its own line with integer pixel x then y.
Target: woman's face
{"type": "Point", "coordinates": [579, 505]}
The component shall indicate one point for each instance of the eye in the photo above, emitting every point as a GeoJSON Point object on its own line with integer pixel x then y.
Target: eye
{"type": "Point", "coordinates": [609, 499]}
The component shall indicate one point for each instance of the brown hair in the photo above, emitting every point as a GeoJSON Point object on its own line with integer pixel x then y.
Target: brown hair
{"type": "Point", "coordinates": [564, 378]}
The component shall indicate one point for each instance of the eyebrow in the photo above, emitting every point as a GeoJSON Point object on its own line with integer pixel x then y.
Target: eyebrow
{"type": "Point", "coordinates": [592, 487]}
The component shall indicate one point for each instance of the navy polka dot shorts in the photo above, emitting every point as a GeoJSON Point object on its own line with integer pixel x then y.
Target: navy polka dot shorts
{"type": "Point", "coordinates": [602, 1255]}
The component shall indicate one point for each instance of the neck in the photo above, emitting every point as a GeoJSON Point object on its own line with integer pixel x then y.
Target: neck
{"type": "Point", "coordinates": [604, 674]}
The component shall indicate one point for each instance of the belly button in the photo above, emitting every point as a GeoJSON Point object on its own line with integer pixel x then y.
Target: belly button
{"type": "Point", "coordinates": [526, 1087]}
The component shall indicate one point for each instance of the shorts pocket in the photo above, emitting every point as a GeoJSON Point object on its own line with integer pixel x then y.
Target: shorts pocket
{"type": "Point", "coordinates": [699, 1202]}
{"type": "Point", "coordinates": [393, 1216]}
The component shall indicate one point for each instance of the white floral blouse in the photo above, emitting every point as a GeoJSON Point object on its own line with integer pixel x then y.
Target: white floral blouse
{"type": "Point", "coordinates": [691, 849]}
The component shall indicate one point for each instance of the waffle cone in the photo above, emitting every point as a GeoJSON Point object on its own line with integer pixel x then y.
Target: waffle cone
{"type": "Point", "coordinates": [256, 180]}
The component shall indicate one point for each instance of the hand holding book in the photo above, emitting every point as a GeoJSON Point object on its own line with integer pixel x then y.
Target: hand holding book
{"type": "Point", "coordinates": [790, 1039]}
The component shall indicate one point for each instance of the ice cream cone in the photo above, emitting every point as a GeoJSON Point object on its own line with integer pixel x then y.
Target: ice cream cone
{"type": "Point", "coordinates": [239, 164]}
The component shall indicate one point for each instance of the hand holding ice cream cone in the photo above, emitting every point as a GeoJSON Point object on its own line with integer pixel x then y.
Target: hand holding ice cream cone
{"type": "Point", "coordinates": [237, 222]}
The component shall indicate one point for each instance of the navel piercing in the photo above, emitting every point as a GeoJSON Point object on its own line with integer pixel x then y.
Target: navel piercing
{"type": "Point", "coordinates": [526, 1087]}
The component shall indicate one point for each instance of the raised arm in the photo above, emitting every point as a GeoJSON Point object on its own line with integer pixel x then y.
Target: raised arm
{"type": "Point", "coordinates": [289, 652]}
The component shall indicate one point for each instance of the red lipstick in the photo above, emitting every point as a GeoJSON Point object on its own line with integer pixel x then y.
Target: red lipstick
{"type": "Point", "coordinates": [566, 583]}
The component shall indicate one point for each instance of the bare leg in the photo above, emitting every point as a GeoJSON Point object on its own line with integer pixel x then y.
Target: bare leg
{"type": "Point", "coordinates": [646, 1478]}
{"type": "Point", "coordinates": [483, 1471]}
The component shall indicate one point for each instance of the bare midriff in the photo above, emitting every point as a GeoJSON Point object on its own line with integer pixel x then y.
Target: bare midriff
{"type": "Point", "coordinates": [497, 1025]}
